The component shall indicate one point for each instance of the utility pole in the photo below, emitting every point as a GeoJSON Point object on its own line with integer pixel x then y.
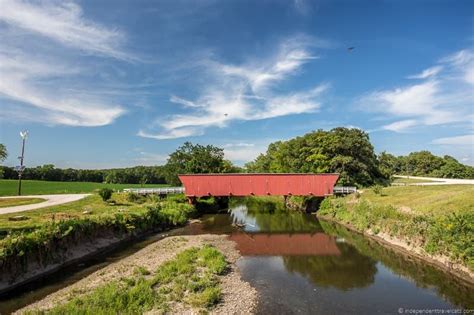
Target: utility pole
{"type": "Point", "coordinates": [23, 135]}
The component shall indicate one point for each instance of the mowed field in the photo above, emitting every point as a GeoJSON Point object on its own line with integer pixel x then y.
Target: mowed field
{"type": "Point", "coordinates": [9, 187]}
{"type": "Point", "coordinates": [428, 200]}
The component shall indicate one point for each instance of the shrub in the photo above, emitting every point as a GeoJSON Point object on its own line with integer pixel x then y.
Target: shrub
{"type": "Point", "coordinates": [378, 189]}
{"type": "Point", "coordinates": [105, 193]}
{"type": "Point", "coordinates": [135, 198]}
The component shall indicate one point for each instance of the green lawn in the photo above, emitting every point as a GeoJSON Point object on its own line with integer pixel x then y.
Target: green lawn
{"type": "Point", "coordinates": [88, 208]}
{"type": "Point", "coordinates": [13, 202]}
{"type": "Point", "coordinates": [430, 200]}
{"type": "Point", "coordinates": [9, 187]}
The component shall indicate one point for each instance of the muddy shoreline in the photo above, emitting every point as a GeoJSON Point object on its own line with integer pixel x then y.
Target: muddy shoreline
{"type": "Point", "coordinates": [461, 272]}
{"type": "Point", "coordinates": [238, 296]}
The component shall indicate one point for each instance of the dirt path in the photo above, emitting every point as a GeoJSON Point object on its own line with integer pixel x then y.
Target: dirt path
{"type": "Point", "coordinates": [51, 200]}
{"type": "Point", "coordinates": [437, 181]}
{"type": "Point", "coordinates": [238, 296]}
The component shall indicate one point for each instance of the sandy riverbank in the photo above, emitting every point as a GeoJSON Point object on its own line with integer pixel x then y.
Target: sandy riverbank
{"type": "Point", "coordinates": [238, 296]}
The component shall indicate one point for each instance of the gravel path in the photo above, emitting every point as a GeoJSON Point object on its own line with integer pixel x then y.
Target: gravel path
{"type": "Point", "coordinates": [51, 200]}
{"type": "Point", "coordinates": [438, 181]}
{"type": "Point", "coordinates": [238, 297]}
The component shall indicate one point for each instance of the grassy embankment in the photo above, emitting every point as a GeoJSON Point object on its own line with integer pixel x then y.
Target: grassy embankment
{"type": "Point", "coordinates": [190, 278]}
{"type": "Point", "coordinates": [13, 202]}
{"type": "Point", "coordinates": [48, 233]}
{"type": "Point", "coordinates": [9, 187]}
{"type": "Point", "coordinates": [438, 219]}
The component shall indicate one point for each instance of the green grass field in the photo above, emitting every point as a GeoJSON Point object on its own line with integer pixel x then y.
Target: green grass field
{"type": "Point", "coordinates": [89, 207]}
{"type": "Point", "coordinates": [13, 202]}
{"type": "Point", "coordinates": [9, 187]}
{"type": "Point", "coordinates": [430, 200]}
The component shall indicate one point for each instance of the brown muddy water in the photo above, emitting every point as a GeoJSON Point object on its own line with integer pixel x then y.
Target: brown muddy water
{"type": "Point", "coordinates": [300, 265]}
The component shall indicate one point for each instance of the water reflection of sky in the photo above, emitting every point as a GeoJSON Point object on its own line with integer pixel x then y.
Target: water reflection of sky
{"type": "Point", "coordinates": [240, 215]}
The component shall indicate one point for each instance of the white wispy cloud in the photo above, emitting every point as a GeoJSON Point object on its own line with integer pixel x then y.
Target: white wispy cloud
{"type": "Point", "coordinates": [62, 21]}
{"type": "Point", "coordinates": [427, 73]}
{"type": "Point", "coordinates": [464, 140]}
{"type": "Point", "coordinates": [147, 159]}
{"type": "Point", "coordinates": [37, 79]}
{"type": "Point", "coordinates": [244, 92]}
{"type": "Point", "coordinates": [401, 125]}
{"type": "Point", "coordinates": [242, 152]}
{"type": "Point", "coordinates": [443, 96]}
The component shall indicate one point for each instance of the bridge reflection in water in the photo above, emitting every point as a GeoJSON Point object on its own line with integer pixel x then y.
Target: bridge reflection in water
{"type": "Point", "coordinates": [302, 244]}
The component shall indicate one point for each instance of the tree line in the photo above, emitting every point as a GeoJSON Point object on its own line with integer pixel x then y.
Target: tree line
{"type": "Point", "coordinates": [347, 151]}
{"type": "Point", "coordinates": [424, 163]}
{"type": "Point", "coordinates": [130, 175]}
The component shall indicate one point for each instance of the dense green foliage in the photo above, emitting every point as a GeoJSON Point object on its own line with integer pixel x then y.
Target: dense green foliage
{"type": "Point", "coordinates": [46, 239]}
{"type": "Point", "coordinates": [3, 156]}
{"type": "Point", "coordinates": [424, 163]}
{"type": "Point", "coordinates": [131, 175]}
{"type": "Point", "coordinates": [3, 152]}
{"type": "Point", "coordinates": [105, 193]}
{"type": "Point", "coordinates": [195, 158]}
{"type": "Point", "coordinates": [447, 233]}
{"type": "Point", "coordinates": [9, 187]}
{"type": "Point", "coordinates": [190, 278]}
{"type": "Point", "coordinates": [347, 151]}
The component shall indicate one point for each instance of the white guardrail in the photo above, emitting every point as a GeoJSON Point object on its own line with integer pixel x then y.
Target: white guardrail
{"type": "Point", "coordinates": [344, 190]}
{"type": "Point", "coordinates": [156, 191]}
{"type": "Point", "coordinates": [180, 190]}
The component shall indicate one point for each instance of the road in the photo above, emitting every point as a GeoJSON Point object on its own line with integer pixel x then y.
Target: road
{"type": "Point", "coordinates": [437, 181]}
{"type": "Point", "coordinates": [51, 200]}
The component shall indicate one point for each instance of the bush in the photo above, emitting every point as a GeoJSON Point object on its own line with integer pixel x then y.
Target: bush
{"type": "Point", "coordinates": [378, 190]}
{"type": "Point", "coordinates": [135, 198]}
{"type": "Point", "coordinates": [105, 193]}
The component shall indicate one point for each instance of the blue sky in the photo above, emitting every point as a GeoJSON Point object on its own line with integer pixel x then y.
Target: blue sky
{"type": "Point", "coordinates": [118, 83]}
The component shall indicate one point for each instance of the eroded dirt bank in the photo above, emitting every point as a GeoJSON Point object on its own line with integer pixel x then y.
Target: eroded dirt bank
{"type": "Point", "coordinates": [238, 297]}
{"type": "Point", "coordinates": [404, 246]}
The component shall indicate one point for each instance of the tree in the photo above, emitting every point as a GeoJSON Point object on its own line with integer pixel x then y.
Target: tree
{"type": "Point", "coordinates": [389, 164]}
{"type": "Point", "coordinates": [191, 159]}
{"type": "Point", "coordinates": [346, 151]}
{"type": "Point", "coordinates": [3, 156]}
{"type": "Point", "coordinates": [3, 152]}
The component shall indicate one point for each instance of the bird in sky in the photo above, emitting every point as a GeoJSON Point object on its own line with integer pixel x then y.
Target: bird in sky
{"type": "Point", "coordinates": [350, 49]}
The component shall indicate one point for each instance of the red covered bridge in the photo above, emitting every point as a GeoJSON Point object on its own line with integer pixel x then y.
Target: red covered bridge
{"type": "Point", "coordinates": [220, 185]}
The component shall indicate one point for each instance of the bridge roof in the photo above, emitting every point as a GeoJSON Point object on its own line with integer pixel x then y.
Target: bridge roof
{"type": "Point", "coordinates": [252, 174]}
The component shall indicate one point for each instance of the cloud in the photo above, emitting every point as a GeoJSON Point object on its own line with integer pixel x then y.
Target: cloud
{"type": "Point", "coordinates": [401, 125]}
{"type": "Point", "coordinates": [427, 73]}
{"type": "Point", "coordinates": [178, 100]}
{"type": "Point", "coordinates": [63, 22]}
{"type": "Point", "coordinates": [244, 92]}
{"type": "Point", "coordinates": [444, 96]}
{"type": "Point", "coordinates": [172, 134]}
{"type": "Point", "coordinates": [242, 152]}
{"type": "Point", "coordinates": [39, 83]}
{"type": "Point", "coordinates": [464, 140]}
{"type": "Point", "coordinates": [147, 159]}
